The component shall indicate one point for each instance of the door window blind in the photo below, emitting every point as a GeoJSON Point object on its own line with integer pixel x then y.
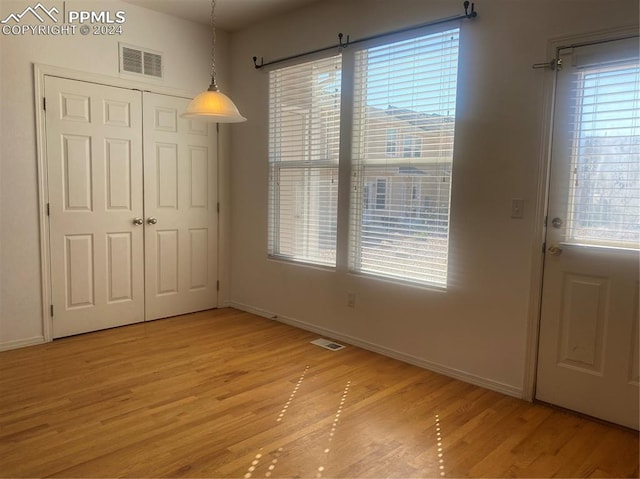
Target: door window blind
{"type": "Point", "coordinates": [403, 131]}
{"type": "Point", "coordinates": [304, 141]}
{"type": "Point", "coordinates": [604, 127]}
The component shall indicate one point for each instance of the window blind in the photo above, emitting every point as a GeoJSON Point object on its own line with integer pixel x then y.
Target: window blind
{"type": "Point", "coordinates": [604, 178]}
{"type": "Point", "coordinates": [304, 141]}
{"type": "Point", "coordinates": [403, 132]}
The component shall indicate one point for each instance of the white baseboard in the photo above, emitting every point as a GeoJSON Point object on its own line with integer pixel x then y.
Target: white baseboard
{"type": "Point", "coordinates": [21, 343]}
{"type": "Point", "coordinates": [376, 348]}
{"type": "Point", "coordinates": [250, 309]}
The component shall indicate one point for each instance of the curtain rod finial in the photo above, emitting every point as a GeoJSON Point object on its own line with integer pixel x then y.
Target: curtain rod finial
{"type": "Point", "coordinates": [473, 12]}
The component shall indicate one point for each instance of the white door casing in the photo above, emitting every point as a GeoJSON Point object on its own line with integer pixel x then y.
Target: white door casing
{"type": "Point", "coordinates": [588, 343]}
{"type": "Point", "coordinates": [94, 153]}
{"type": "Point", "coordinates": [180, 210]}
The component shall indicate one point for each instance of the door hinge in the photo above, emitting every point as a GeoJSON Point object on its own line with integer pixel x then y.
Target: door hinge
{"type": "Point", "coordinates": [218, 285]}
{"type": "Point", "coordinates": [544, 248]}
{"type": "Point", "coordinates": [48, 209]}
{"type": "Point", "coordinates": [218, 208]}
{"type": "Point", "coordinates": [51, 310]}
{"type": "Point", "coordinates": [44, 103]}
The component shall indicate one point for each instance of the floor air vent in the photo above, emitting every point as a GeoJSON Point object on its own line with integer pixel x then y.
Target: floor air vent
{"type": "Point", "coordinates": [325, 343]}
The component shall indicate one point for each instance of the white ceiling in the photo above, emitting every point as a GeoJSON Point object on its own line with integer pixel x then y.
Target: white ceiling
{"type": "Point", "coordinates": [231, 15]}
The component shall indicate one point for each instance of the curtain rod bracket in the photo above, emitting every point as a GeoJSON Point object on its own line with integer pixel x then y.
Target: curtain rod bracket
{"type": "Point", "coordinates": [343, 45]}
{"type": "Point", "coordinates": [555, 64]}
{"type": "Point", "coordinates": [255, 63]}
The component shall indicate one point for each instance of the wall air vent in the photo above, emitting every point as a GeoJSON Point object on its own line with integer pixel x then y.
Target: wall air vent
{"type": "Point", "coordinates": [131, 60]}
{"type": "Point", "coordinates": [140, 61]}
{"type": "Point", "coordinates": [152, 64]}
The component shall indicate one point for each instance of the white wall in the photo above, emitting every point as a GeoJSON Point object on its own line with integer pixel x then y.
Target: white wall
{"type": "Point", "coordinates": [476, 330]}
{"type": "Point", "coordinates": [186, 48]}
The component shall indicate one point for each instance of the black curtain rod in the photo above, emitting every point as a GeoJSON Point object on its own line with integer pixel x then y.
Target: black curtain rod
{"type": "Point", "coordinates": [468, 14]}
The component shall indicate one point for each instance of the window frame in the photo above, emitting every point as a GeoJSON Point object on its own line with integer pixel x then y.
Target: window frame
{"type": "Point", "coordinates": [573, 214]}
{"type": "Point", "coordinates": [347, 170]}
{"type": "Point", "coordinates": [276, 167]}
{"type": "Point", "coordinates": [358, 179]}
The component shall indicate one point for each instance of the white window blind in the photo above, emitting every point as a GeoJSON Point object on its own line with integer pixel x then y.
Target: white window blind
{"type": "Point", "coordinates": [304, 141]}
{"type": "Point", "coordinates": [405, 95]}
{"type": "Point", "coordinates": [604, 189]}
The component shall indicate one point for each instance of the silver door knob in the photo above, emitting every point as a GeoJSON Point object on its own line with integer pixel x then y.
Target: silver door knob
{"type": "Point", "coordinates": [557, 222]}
{"type": "Point", "coordinates": [554, 250]}
{"type": "Point", "coordinates": [151, 220]}
{"type": "Point", "coordinates": [138, 221]}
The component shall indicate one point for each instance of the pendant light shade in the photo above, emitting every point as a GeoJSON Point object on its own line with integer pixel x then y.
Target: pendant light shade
{"type": "Point", "coordinates": [212, 105]}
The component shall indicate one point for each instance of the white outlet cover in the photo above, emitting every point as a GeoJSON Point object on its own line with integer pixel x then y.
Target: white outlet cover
{"type": "Point", "coordinates": [517, 208]}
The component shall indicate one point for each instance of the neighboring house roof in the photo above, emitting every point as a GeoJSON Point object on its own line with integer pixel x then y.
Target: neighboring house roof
{"type": "Point", "coordinates": [424, 121]}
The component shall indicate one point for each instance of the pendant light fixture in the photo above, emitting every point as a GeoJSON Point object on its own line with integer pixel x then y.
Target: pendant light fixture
{"type": "Point", "coordinates": [213, 105]}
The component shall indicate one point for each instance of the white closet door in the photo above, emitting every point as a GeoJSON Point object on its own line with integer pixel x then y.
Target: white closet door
{"type": "Point", "coordinates": [180, 173]}
{"type": "Point", "coordinates": [94, 150]}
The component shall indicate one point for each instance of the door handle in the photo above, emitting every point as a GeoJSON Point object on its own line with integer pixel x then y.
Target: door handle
{"type": "Point", "coordinates": [138, 221]}
{"type": "Point", "coordinates": [554, 250]}
{"type": "Point", "coordinates": [151, 220]}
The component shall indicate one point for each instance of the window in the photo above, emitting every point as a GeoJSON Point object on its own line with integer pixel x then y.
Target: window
{"type": "Point", "coordinates": [381, 194]}
{"type": "Point", "coordinates": [408, 87]}
{"type": "Point", "coordinates": [304, 141]}
{"type": "Point", "coordinates": [412, 147]}
{"type": "Point", "coordinates": [404, 101]}
{"type": "Point", "coordinates": [392, 143]}
{"type": "Point", "coordinates": [604, 189]}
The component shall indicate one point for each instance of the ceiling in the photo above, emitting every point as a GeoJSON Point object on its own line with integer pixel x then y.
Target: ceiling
{"type": "Point", "coordinates": [231, 15]}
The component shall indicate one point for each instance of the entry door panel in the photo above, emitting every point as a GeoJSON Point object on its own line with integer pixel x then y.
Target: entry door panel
{"type": "Point", "coordinates": [588, 351]}
{"type": "Point", "coordinates": [180, 209]}
{"type": "Point", "coordinates": [94, 153]}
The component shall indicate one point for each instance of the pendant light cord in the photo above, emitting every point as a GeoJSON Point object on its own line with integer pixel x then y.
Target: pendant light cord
{"type": "Point", "coordinates": [212, 105]}
{"type": "Point", "coordinates": [214, 85]}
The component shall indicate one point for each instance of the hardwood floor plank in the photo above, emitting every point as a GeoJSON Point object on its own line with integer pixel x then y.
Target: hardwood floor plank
{"type": "Point", "coordinates": [228, 394]}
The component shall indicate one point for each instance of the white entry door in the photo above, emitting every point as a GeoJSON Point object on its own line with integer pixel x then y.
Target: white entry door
{"type": "Point", "coordinates": [588, 350]}
{"type": "Point", "coordinates": [180, 208]}
{"type": "Point", "coordinates": [94, 149]}
{"type": "Point", "coordinates": [132, 200]}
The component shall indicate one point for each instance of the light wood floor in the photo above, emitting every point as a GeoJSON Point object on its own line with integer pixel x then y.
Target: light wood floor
{"type": "Point", "coordinates": [228, 394]}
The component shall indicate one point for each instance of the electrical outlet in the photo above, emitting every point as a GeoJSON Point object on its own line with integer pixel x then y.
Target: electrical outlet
{"type": "Point", "coordinates": [351, 300]}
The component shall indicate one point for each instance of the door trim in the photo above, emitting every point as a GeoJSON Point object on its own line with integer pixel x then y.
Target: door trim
{"type": "Point", "coordinates": [39, 73]}
{"type": "Point", "coordinates": [542, 196]}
